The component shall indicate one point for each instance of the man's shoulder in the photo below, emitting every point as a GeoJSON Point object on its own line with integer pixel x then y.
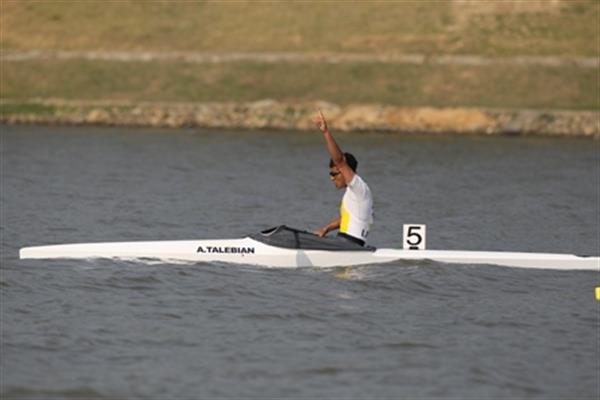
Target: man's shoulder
{"type": "Point", "coordinates": [357, 180]}
{"type": "Point", "coordinates": [357, 184]}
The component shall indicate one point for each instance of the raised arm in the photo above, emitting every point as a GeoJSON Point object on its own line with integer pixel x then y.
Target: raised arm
{"type": "Point", "coordinates": [336, 154]}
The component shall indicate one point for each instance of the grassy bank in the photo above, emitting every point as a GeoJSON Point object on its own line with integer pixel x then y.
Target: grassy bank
{"type": "Point", "coordinates": [556, 28]}
{"type": "Point", "coordinates": [404, 85]}
{"type": "Point", "coordinates": [492, 28]}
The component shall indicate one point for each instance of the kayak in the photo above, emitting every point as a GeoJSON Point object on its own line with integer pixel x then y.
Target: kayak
{"type": "Point", "coordinates": [285, 247]}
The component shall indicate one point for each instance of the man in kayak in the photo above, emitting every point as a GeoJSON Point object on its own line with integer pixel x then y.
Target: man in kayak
{"type": "Point", "coordinates": [356, 209]}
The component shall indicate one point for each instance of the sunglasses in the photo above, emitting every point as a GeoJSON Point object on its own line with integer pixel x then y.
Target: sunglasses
{"type": "Point", "coordinates": [332, 174]}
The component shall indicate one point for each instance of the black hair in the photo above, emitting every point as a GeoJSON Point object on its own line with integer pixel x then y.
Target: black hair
{"type": "Point", "coordinates": [350, 160]}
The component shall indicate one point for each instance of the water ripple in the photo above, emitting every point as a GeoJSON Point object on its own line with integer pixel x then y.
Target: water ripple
{"type": "Point", "coordinates": [154, 329]}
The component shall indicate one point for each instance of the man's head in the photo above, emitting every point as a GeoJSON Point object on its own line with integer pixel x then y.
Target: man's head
{"type": "Point", "coordinates": [336, 175]}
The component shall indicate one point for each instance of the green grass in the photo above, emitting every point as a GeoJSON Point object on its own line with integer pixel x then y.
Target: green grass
{"type": "Point", "coordinates": [405, 85]}
{"type": "Point", "coordinates": [27, 108]}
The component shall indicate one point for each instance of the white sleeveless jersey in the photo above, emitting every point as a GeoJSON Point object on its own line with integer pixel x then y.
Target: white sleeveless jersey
{"type": "Point", "coordinates": [356, 210]}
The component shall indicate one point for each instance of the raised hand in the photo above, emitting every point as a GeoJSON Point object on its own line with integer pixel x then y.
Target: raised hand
{"type": "Point", "coordinates": [321, 122]}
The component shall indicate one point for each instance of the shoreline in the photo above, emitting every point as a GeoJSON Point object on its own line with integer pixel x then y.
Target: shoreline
{"type": "Point", "coordinates": [272, 114]}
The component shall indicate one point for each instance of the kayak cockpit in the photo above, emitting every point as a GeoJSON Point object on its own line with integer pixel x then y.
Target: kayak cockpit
{"type": "Point", "coordinates": [290, 238]}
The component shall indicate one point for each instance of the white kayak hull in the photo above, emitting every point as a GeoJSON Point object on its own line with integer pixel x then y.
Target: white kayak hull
{"type": "Point", "coordinates": [250, 251]}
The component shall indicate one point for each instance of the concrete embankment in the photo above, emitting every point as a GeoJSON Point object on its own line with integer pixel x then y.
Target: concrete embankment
{"type": "Point", "coordinates": [271, 114]}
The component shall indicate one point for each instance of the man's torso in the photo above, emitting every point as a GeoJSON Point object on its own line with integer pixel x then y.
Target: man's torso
{"type": "Point", "coordinates": [356, 209]}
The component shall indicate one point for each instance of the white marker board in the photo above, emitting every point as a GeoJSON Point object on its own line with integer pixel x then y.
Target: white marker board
{"type": "Point", "coordinates": [414, 237]}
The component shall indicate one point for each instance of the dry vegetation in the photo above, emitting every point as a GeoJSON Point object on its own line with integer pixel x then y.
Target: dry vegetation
{"type": "Point", "coordinates": [557, 28]}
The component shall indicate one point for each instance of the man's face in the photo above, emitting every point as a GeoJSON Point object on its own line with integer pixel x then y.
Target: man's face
{"type": "Point", "coordinates": [336, 176]}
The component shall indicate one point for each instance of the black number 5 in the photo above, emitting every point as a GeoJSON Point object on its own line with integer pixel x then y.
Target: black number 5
{"type": "Point", "coordinates": [411, 234]}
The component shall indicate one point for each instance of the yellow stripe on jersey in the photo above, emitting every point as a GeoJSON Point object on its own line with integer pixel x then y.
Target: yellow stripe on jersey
{"type": "Point", "coordinates": [345, 218]}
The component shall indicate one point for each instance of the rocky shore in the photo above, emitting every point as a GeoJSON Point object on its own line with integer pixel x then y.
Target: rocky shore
{"type": "Point", "coordinates": [271, 114]}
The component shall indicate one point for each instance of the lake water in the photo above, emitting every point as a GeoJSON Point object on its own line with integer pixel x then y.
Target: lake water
{"type": "Point", "coordinates": [106, 329]}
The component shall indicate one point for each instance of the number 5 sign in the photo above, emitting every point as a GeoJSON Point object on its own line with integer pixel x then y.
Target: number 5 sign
{"type": "Point", "coordinates": [413, 237]}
